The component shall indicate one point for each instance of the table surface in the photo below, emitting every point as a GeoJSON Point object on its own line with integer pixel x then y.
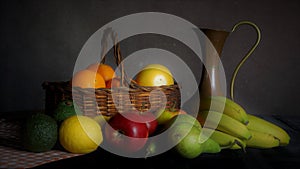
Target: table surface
{"type": "Point", "coordinates": [286, 157]}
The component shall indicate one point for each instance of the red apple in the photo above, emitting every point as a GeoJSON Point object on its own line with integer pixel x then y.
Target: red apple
{"type": "Point", "coordinates": [150, 119]}
{"type": "Point", "coordinates": [126, 132]}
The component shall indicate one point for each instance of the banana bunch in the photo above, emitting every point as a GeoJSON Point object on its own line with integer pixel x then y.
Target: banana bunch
{"type": "Point", "coordinates": [227, 123]}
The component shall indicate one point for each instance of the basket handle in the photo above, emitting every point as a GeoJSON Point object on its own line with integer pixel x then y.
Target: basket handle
{"type": "Point", "coordinates": [124, 80]}
{"type": "Point", "coordinates": [109, 33]}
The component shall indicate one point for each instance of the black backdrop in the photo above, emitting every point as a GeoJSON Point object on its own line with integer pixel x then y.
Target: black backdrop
{"type": "Point", "coordinates": [41, 39]}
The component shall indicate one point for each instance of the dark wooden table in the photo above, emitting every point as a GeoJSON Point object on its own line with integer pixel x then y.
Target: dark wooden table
{"type": "Point", "coordinates": [287, 157]}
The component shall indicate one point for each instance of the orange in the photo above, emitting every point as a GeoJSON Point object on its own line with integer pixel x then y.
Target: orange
{"type": "Point", "coordinates": [88, 79]}
{"type": "Point", "coordinates": [105, 70]}
{"type": "Point", "coordinates": [93, 66]}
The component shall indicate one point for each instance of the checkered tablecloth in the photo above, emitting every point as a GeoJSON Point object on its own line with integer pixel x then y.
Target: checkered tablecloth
{"type": "Point", "coordinates": [13, 156]}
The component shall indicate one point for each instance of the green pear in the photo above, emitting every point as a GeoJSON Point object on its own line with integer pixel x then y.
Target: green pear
{"type": "Point", "coordinates": [185, 137]}
{"type": "Point", "coordinates": [183, 118]}
{"type": "Point", "coordinates": [211, 146]}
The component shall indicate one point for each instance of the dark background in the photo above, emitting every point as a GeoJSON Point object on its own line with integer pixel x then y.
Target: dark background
{"type": "Point", "coordinates": [41, 39]}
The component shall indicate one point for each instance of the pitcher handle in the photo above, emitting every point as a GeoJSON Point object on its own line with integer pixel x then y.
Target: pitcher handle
{"type": "Point", "coordinates": [247, 55]}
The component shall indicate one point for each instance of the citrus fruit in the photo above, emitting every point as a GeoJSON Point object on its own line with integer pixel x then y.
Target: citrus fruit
{"type": "Point", "coordinates": [39, 132]}
{"type": "Point", "coordinates": [154, 77]}
{"type": "Point", "coordinates": [158, 66]}
{"type": "Point", "coordinates": [88, 79]}
{"type": "Point", "coordinates": [80, 134]}
{"type": "Point", "coordinates": [105, 70]}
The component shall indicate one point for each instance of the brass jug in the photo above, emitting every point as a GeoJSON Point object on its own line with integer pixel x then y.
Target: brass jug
{"type": "Point", "coordinates": [211, 85]}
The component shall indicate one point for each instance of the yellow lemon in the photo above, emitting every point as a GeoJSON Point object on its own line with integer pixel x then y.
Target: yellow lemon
{"type": "Point", "coordinates": [154, 75]}
{"type": "Point", "coordinates": [101, 119]}
{"type": "Point", "coordinates": [80, 134]}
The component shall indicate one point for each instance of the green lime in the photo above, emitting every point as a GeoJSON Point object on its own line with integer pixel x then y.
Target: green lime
{"type": "Point", "coordinates": [64, 109]}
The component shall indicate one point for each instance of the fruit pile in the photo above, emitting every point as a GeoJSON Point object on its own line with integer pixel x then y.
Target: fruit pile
{"type": "Point", "coordinates": [221, 123]}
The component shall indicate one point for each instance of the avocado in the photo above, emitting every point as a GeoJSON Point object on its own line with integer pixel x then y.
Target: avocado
{"type": "Point", "coordinates": [40, 132]}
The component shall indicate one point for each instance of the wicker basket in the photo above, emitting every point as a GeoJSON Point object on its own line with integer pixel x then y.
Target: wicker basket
{"type": "Point", "coordinates": [109, 101]}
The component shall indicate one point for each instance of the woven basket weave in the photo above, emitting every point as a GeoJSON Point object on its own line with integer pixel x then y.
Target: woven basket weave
{"type": "Point", "coordinates": [109, 101]}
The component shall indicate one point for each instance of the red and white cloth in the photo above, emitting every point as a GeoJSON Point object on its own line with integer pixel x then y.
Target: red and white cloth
{"type": "Point", "coordinates": [13, 156]}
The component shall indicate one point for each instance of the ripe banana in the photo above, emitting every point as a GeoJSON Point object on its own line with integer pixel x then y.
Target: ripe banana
{"type": "Point", "coordinates": [262, 125]}
{"type": "Point", "coordinates": [225, 140]}
{"type": "Point", "coordinates": [262, 140]}
{"type": "Point", "coordinates": [224, 123]}
{"type": "Point", "coordinates": [225, 105]}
